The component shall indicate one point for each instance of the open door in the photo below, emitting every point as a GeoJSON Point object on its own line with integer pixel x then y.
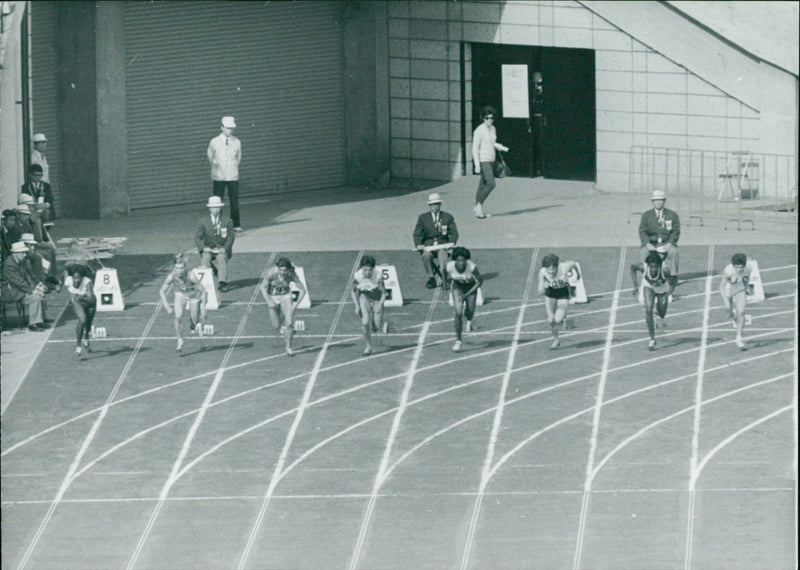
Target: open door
{"type": "Point", "coordinates": [556, 138]}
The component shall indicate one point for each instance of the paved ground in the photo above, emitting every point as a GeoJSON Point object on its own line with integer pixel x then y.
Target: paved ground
{"type": "Point", "coordinates": [527, 212]}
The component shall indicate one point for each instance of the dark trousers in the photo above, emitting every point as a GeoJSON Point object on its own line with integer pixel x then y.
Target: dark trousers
{"type": "Point", "coordinates": [486, 184]}
{"type": "Point", "coordinates": [233, 197]}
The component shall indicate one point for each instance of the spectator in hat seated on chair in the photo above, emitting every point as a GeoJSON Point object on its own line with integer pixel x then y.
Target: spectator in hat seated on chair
{"type": "Point", "coordinates": [43, 246]}
{"type": "Point", "coordinates": [659, 231]}
{"type": "Point", "coordinates": [20, 285]}
{"type": "Point", "coordinates": [434, 227]}
{"type": "Point", "coordinates": [42, 268]}
{"type": "Point", "coordinates": [214, 240]}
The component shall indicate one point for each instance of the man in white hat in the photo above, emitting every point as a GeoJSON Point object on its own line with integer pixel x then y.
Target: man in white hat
{"type": "Point", "coordinates": [214, 240]}
{"type": "Point", "coordinates": [20, 285]}
{"type": "Point", "coordinates": [434, 227]}
{"type": "Point", "coordinates": [38, 157]}
{"type": "Point", "coordinates": [224, 154]}
{"type": "Point", "coordinates": [659, 230]}
{"type": "Point", "coordinates": [30, 223]}
{"type": "Point", "coordinates": [42, 262]}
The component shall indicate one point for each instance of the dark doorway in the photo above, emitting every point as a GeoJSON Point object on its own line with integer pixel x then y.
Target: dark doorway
{"type": "Point", "coordinates": [557, 137]}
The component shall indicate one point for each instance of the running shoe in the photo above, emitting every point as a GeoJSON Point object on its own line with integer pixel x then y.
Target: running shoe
{"type": "Point", "coordinates": [469, 326]}
{"type": "Point", "coordinates": [179, 346]}
{"type": "Point", "coordinates": [282, 330]}
{"type": "Point", "coordinates": [457, 346]}
{"type": "Point", "coordinates": [385, 327]}
{"type": "Point", "coordinates": [289, 351]}
{"type": "Point", "coordinates": [367, 351]}
{"type": "Point", "coordinates": [86, 345]}
{"type": "Point", "coordinates": [662, 323]}
{"type": "Point", "coordinates": [652, 344]}
{"type": "Point", "coordinates": [555, 345]}
{"type": "Point", "coordinates": [78, 350]}
{"type": "Point", "coordinates": [740, 343]}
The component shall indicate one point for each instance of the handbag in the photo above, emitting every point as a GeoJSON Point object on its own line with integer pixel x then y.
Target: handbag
{"type": "Point", "coordinates": [501, 169]}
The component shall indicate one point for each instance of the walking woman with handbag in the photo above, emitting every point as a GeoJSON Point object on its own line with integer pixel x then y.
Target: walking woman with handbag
{"type": "Point", "coordinates": [484, 145]}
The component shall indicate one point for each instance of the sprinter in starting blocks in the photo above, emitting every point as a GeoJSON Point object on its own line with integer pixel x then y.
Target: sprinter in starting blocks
{"type": "Point", "coordinates": [278, 289]}
{"type": "Point", "coordinates": [739, 286]}
{"type": "Point", "coordinates": [554, 284]}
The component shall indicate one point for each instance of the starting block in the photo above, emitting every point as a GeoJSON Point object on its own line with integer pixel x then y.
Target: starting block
{"type": "Point", "coordinates": [394, 297]}
{"type": "Point", "coordinates": [299, 326]}
{"type": "Point", "coordinates": [208, 330]}
{"type": "Point", "coordinates": [306, 302]}
{"type": "Point", "coordinates": [107, 290]}
{"type": "Point", "coordinates": [206, 277]}
{"type": "Point", "coordinates": [478, 299]}
{"type": "Point", "coordinates": [755, 284]}
{"type": "Point", "coordinates": [577, 286]}
{"type": "Point", "coordinates": [97, 332]}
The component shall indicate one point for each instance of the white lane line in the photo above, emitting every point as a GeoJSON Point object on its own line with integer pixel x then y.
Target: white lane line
{"type": "Point", "coordinates": [674, 415]}
{"type": "Point", "coordinates": [498, 415]}
{"type": "Point", "coordinates": [87, 441]}
{"type": "Point", "coordinates": [374, 356]}
{"type": "Point", "coordinates": [201, 413]}
{"type": "Point", "coordinates": [736, 434]}
{"type": "Point", "coordinates": [698, 399]}
{"type": "Point", "coordinates": [276, 473]}
{"type": "Point", "coordinates": [601, 389]}
{"type": "Point", "coordinates": [366, 519]}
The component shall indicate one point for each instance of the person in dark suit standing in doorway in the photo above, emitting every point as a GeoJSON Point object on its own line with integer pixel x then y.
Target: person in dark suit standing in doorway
{"type": "Point", "coordinates": [434, 228]}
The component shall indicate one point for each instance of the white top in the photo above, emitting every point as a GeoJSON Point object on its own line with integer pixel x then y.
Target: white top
{"type": "Point", "coordinates": [81, 290]}
{"type": "Point", "coordinates": [465, 277]}
{"type": "Point", "coordinates": [224, 154]}
{"type": "Point", "coordinates": [733, 281]}
{"type": "Point", "coordinates": [364, 283]}
{"type": "Point", "coordinates": [38, 158]}
{"type": "Point", "coordinates": [484, 143]}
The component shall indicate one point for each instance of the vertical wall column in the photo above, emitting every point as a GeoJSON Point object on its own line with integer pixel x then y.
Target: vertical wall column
{"type": "Point", "coordinates": [366, 90]}
{"type": "Point", "coordinates": [91, 99]}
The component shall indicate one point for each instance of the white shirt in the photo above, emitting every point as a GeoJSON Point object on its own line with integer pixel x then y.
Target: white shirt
{"type": "Point", "coordinates": [224, 154]}
{"type": "Point", "coordinates": [484, 143]}
{"type": "Point", "coordinates": [38, 158]}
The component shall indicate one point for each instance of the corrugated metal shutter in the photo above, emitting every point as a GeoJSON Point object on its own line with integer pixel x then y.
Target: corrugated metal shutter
{"type": "Point", "coordinates": [275, 66]}
{"type": "Point", "coordinates": [44, 89]}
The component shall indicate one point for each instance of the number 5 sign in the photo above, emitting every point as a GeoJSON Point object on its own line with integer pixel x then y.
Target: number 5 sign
{"type": "Point", "coordinates": [394, 297]}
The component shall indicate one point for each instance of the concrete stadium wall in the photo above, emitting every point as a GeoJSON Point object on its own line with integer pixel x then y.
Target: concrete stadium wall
{"type": "Point", "coordinates": [643, 97]}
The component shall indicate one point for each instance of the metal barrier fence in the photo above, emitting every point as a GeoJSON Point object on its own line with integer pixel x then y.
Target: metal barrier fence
{"type": "Point", "coordinates": [738, 187]}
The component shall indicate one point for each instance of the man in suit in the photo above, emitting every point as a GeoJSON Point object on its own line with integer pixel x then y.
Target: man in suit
{"type": "Point", "coordinates": [214, 240]}
{"type": "Point", "coordinates": [19, 284]}
{"type": "Point", "coordinates": [659, 230]}
{"type": "Point", "coordinates": [40, 192]}
{"type": "Point", "coordinates": [32, 226]}
{"type": "Point", "coordinates": [38, 157]}
{"type": "Point", "coordinates": [434, 228]}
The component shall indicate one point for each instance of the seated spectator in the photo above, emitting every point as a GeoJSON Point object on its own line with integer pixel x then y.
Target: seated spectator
{"type": "Point", "coordinates": [9, 232]}
{"type": "Point", "coordinates": [19, 285]}
{"type": "Point", "coordinates": [40, 193]}
{"type": "Point", "coordinates": [214, 240]}
{"type": "Point", "coordinates": [434, 228]}
{"type": "Point", "coordinates": [43, 267]}
{"type": "Point", "coordinates": [43, 246]}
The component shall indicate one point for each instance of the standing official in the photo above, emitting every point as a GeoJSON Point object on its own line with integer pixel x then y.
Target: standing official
{"type": "Point", "coordinates": [38, 157]}
{"type": "Point", "coordinates": [224, 154]}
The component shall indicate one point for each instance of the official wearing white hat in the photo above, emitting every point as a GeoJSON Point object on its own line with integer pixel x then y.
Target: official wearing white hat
{"type": "Point", "coordinates": [434, 228]}
{"type": "Point", "coordinates": [20, 285]}
{"type": "Point", "coordinates": [38, 157]}
{"type": "Point", "coordinates": [214, 238]}
{"type": "Point", "coordinates": [224, 154]}
{"type": "Point", "coordinates": [659, 230]}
